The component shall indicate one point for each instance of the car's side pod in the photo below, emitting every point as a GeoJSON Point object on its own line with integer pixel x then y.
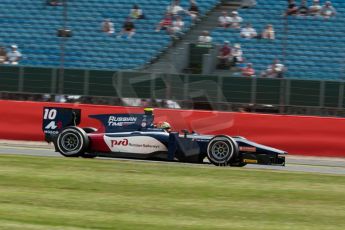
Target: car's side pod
{"type": "Point", "coordinates": [55, 119]}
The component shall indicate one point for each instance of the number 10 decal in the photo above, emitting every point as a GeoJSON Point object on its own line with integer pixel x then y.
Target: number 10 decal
{"type": "Point", "coordinates": [49, 114]}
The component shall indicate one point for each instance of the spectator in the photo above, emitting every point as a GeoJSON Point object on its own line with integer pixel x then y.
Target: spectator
{"type": "Point", "coordinates": [268, 32]}
{"type": "Point", "coordinates": [60, 98]}
{"type": "Point", "coordinates": [54, 3]}
{"type": "Point", "coordinates": [136, 12]}
{"type": "Point", "coordinates": [128, 28]}
{"type": "Point", "coordinates": [224, 20]}
{"type": "Point", "coordinates": [248, 71]}
{"type": "Point", "coordinates": [236, 53]}
{"type": "Point", "coordinates": [224, 55]}
{"type": "Point", "coordinates": [108, 26]}
{"type": "Point", "coordinates": [205, 38]}
{"type": "Point", "coordinates": [235, 20]}
{"type": "Point", "coordinates": [13, 56]}
{"type": "Point", "coordinates": [241, 64]}
{"type": "Point", "coordinates": [193, 11]}
{"type": "Point", "coordinates": [174, 8]}
{"type": "Point", "coordinates": [172, 104]}
{"type": "Point", "coordinates": [177, 26]}
{"type": "Point", "coordinates": [276, 70]}
{"type": "Point", "coordinates": [328, 10]}
{"type": "Point", "coordinates": [248, 3]}
{"type": "Point", "coordinates": [315, 9]}
{"type": "Point", "coordinates": [3, 55]}
{"type": "Point", "coordinates": [292, 8]}
{"type": "Point", "coordinates": [303, 9]}
{"type": "Point", "coordinates": [248, 32]}
{"type": "Point", "coordinates": [165, 23]}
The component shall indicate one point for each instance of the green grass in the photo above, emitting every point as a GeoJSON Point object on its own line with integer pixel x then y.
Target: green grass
{"type": "Point", "coordinates": [59, 193]}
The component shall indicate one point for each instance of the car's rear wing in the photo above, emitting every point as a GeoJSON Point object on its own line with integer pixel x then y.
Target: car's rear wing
{"type": "Point", "coordinates": [55, 119]}
{"type": "Point", "coordinates": [113, 123]}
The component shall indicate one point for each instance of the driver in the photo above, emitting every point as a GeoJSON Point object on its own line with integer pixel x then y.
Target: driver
{"type": "Point", "coordinates": [165, 126]}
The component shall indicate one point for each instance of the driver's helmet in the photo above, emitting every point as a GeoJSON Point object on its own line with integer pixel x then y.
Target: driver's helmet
{"type": "Point", "coordinates": [165, 125]}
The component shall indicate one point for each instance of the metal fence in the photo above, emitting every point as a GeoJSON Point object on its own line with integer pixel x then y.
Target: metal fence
{"type": "Point", "coordinates": [213, 92]}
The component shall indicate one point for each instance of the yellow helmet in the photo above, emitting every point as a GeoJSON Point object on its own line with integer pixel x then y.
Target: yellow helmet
{"type": "Point", "coordinates": [148, 111]}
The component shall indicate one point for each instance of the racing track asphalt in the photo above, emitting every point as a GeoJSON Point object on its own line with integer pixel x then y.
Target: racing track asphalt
{"type": "Point", "coordinates": [293, 163]}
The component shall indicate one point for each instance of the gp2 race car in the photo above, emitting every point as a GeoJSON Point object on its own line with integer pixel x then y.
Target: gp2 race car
{"type": "Point", "coordinates": [135, 136]}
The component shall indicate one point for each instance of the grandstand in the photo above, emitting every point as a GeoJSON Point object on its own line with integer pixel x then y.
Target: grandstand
{"type": "Point", "coordinates": [311, 47]}
{"type": "Point", "coordinates": [33, 25]}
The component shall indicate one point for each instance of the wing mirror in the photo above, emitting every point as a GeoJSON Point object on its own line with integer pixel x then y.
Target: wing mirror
{"type": "Point", "coordinates": [185, 132]}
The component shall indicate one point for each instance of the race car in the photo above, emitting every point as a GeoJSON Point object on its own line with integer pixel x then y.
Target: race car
{"type": "Point", "coordinates": [136, 136]}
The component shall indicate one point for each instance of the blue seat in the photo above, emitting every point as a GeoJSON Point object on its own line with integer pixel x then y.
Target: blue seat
{"type": "Point", "coordinates": [33, 28]}
{"type": "Point", "coordinates": [311, 46]}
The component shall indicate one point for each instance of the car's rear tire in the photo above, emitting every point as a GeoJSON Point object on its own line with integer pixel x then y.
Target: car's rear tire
{"type": "Point", "coordinates": [72, 142]}
{"type": "Point", "coordinates": [222, 150]}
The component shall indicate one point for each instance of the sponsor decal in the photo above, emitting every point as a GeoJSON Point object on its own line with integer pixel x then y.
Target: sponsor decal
{"type": "Point", "coordinates": [51, 125]}
{"type": "Point", "coordinates": [121, 121]}
{"type": "Point", "coordinates": [135, 144]}
{"type": "Point", "coordinates": [144, 146]}
{"type": "Point", "coordinates": [247, 149]}
{"type": "Point", "coordinates": [250, 161]}
{"type": "Point", "coordinates": [123, 142]}
{"type": "Point", "coordinates": [59, 124]}
{"type": "Point", "coordinates": [51, 131]}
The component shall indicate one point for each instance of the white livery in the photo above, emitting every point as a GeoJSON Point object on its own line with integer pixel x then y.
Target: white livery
{"type": "Point", "coordinates": [135, 144]}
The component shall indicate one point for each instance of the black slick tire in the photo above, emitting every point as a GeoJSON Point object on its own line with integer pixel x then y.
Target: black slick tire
{"type": "Point", "coordinates": [72, 142]}
{"type": "Point", "coordinates": [222, 150]}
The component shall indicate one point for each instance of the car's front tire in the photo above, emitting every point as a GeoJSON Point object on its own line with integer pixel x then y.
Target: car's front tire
{"type": "Point", "coordinates": [221, 150]}
{"type": "Point", "coordinates": [72, 142]}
